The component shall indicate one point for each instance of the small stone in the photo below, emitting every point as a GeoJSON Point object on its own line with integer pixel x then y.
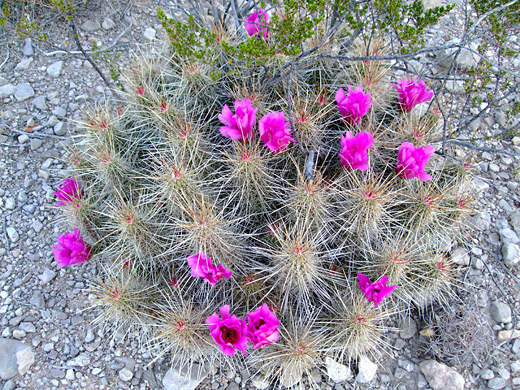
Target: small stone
{"type": "Point", "coordinates": [367, 370]}
{"type": "Point", "coordinates": [54, 69]}
{"type": "Point", "coordinates": [37, 300]}
{"type": "Point", "coordinates": [440, 376]}
{"type": "Point", "coordinates": [515, 367]}
{"type": "Point", "coordinates": [27, 47]}
{"type": "Point", "coordinates": [126, 375]}
{"type": "Point", "coordinates": [60, 112]}
{"type": "Point", "coordinates": [90, 26]}
{"type": "Point", "coordinates": [7, 90]}
{"type": "Point", "coordinates": [487, 374]}
{"type": "Point", "coordinates": [511, 254]}
{"type": "Point", "coordinates": [36, 143]}
{"type": "Point", "coordinates": [429, 4]}
{"type": "Point", "coordinates": [10, 203]}
{"type": "Point", "coordinates": [504, 335]}
{"type": "Point", "coordinates": [8, 357]}
{"type": "Point", "coordinates": [407, 328]}
{"type": "Point", "coordinates": [24, 64]}
{"type": "Point", "coordinates": [460, 256]}
{"type": "Point", "coordinates": [47, 276]}
{"type": "Point", "coordinates": [40, 103]}
{"type": "Point", "coordinates": [52, 121]}
{"type": "Point", "coordinates": [12, 234]}
{"type": "Point", "coordinates": [496, 383]}
{"type": "Point", "coordinates": [504, 373]}
{"type": "Point", "coordinates": [149, 33]}
{"type": "Point", "coordinates": [259, 382]}
{"type": "Point", "coordinates": [19, 334]}
{"type": "Point", "coordinates": [337, 372]}
{"type": "Point", "coordinates": [500, 312]}
{"type": "Point", "coordinates": [108, 24]}
{"type": "Point", "coordinates": [508, 236]}
{"type": "Point", "coordinates": [27, 327]}
{"type": "Point", "coordinates": [59, 129]}
{"type": "Point", "coordinates": [481, 221]}
{"type": "Point", "coordinates": [23, 92]}
{"type": "Point", "coordinates": [82, 360]}
{"type": "Point", "coordinates": [23, 138]}
{"type": "Point", "coordinates": [24, 359]}
{"type": "Point", "coordinates": [179, 380]}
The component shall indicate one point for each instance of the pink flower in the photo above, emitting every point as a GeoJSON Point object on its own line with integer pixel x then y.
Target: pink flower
{"type": "Point", "coordinates": [354, 106]}
{"type": "Point", "coordinates": [202, 267]}
{"type": "Point", "coordinates": [253, 23]}
{"type": "Point", "coordinates": [71, 249]}
{"type": "Point", "coordinates": [262, 327]}
{"type": "Point", "coordinates": [412, 161]}
{"type": "Point", "coordinates": [377, 291]}
{"type": "Point", "coordinates": [240, 125]}
{"type": "Point", "coordinates": [274, 131]}
{"type": "Point", "coordinates": [68, 191]}
{"type": "Point", "coordinates": [353, 153]}
{"type": "Point", "coordinates": [411, 93]}
{"type": "Point", "coordinates": [229, 332]}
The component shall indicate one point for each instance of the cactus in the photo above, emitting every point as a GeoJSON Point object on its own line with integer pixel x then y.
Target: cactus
{"type": "Point", "coordinates": [206, 188]}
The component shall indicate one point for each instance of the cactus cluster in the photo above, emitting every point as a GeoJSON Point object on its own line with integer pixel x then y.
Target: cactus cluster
{"type": "Point", "coordinates": [274, 204]}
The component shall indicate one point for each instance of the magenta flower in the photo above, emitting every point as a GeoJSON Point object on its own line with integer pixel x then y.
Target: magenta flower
{"type": "Point", "coordinates": [354, 106]}
{"type": "Point", "coordinates": [412, 161]}
{"type": "Point", "coordinates": [202, 267]}
{"type": "Point", "coordinates": [67, 191]}
{"type": "Point", "coordinates": [71, 249]}
{"type": "Point", "coordinates": [229, 332]}
{"type": "Point", "coordinates": [254, 23]}
{"type": "Point", "coordinates": [240, 125]}
{"type": "Point", "coordinates": [377, 291]}
{"type": "Point", "coordinates": [262, 328]}
{"type": "Point", "coordinates": [274, 131]}
{"type": "Point", "coordinates": [353, 154]}
{"type": "Point", "coordinates": [411, 93]}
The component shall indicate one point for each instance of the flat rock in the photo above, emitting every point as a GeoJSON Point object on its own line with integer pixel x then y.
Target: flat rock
{"type": "Point", "coordinates": [108, 24]}
{"type": "Point", "coordinates": [47, 276]}
{"type": "Point", "coordinates": [337, 372]}
{"type": "Point", "coordinates": [7, 90]}
{"type": "Point", "coordinates": [27, 47]}
{"type": "Point", "coordinates": [500, 312]}
{"type": "Point", "coordinates": [23, 92]}
{"type": "Point", "coordinates": [440, 376]}
{"type": "Point", "coordinates": [179, 380]}
{"type": "Point", "coordinates": [149, 33]}
{"type": "Point", "coordinates": [511, 254]}
{"type": "Point", "coordinates": [40, 103]}
{"type": "Point", "coordinates": [90, 26]}
{"type": "Point", "coordinates": [25, 359]}
{"type": "Point", "coordinates": [8, 360]}
{"type": "Point", "coordinates": [367, 370]}
{"type": "Point", "coordinates": [508, 236]}
{"type": "Point", "coordinates": [480, 221]}
{"type": "Point", "coordinates": [12, 234]}
{"type": "Point", "coordinates": [54, 70]}
{"type": "Point", "coordinates": [24, 64]}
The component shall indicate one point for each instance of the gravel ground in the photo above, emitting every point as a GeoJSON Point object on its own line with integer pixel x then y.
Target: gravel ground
{"type": "Point", "coordinates": [45, 321]}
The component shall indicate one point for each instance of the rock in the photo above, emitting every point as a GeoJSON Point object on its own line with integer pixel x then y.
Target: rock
{"type": "Point", "coordinates": [7, 90]}
{"type": "Point", "coordinates": [125, 374]}
{"type": "Point", "coordinates": [511, 254]}
{"type": "Point", "coordinates": [24, 359]}
{"type": "Point", "coordinates": [508, 334]}
{"type": "Point", "coordinates": [8, 357]}
{"type": "Point", "coordinates": [440, 376]}
{"type": "Point", "coordinates": [47, 276]}
{"type": "Point", "coordinates": [59, 129]}
{"type": "Point", "coordinates": [259, 382]}
{"type": "Point", "coordinates": [460, 256]}
{"type": "Point", "coordinates": [54, 69]}
{"type": "Point", "coordinates": [60, 112]}
{"type": "Point", "coordinates": [12, 234]}
{"type": "Point", "coordinates": [429, 4]}
{"type": "Point", "coordinates": [508, 236]}
{"type": "Point", "coordinates": [27, 47]}
{"type": "Point", "coordinates": [36, 143]}
{"type": "Point", "coordinates": [480, 221]}
{"type": "Point", "coordinates": [108, 24]}
{"type": "Point", "coordinates": [487, 374]}
{"type": "Point", "coordinates": [367, 370]}
{"type": "Point", "coordinates": [82, 360]}
{"type": "Point", "coordinates": [500, 312]}
{"type": "Point", "coordinates": [407, 328]}
{"type": "Point", "coordinates": [37, 300]}
{"type": "Point", "coordinates": [232, 386]}
{"type": "Point", "coordinates": [467, 59]}
{"type": "Point", "coordinates": [454, 86]}
{"type": "Point", "coordinates": [39, 103]}
{"type": "Point", "coordinates": [23, 138]}
{"type": "Point", "coordinates": [337, 372]}
{"type": "Point", "coordinates": [23, 92]}
{"type": "Point", "coordinates": [149, 33]}
{"type": "Point", "coordinates": [24, 64]}
{"type": "Point", "coordinates": [179, 380]}
{"type": "Point", "coordinates": [496, 383]}
{"type": "Point", "coordinates": [90, 26]}
{"type": "Point", "coordinates": [10, 203]}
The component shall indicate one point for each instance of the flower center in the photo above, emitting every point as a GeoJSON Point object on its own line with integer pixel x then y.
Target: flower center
{"type": "Point", "coordinates": [229, 335]}
{"type": "Point", "coordinates": [428, 201]}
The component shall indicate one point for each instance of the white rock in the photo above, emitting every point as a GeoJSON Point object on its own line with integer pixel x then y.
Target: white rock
{"type": "Point", "coordinates": [500, 312]}
{"type": "Point", "coordinates": [336, 371]}
{"type": "Point", "coordinates": [90, 25]}
{"type": "Point", "coordinates": [23, 138]}
{"type": "Point", "coordinates": [511, 254]}
{"type": "Point", "coordinates": [39, 103]}
{"type": "Point", "coordinates": [23, 92]}
{"type": "Point", "coordinates": [24, 359]}
{"type": "Point", "coordinates": [12, 234]}
{"type": "Point", "coordinates": [149, 33]}
{"type": "Point", "coordinates": [367, 370]}
{"type": "Point", "coordinates": [508, 236]}
{"type": "Point", "coordinates": [108, 24]}
{"type": "Point", "coordinates": [82, 360]}
{"type": "Point", "coordinates": [60, 129]}
{"type": "Point", "coordinates": [10, 203]}
{"type": "Point", "coordinates": [440, 376]}
{"type": "Point", "coordinates": [7, 90]}
{"type": "Point", "coordinates": [178, 380]}
{"type": "Point", "coordinates": [259, 382]}
{"type": "Point", "coordinates": [54, 70]}
{"type": "Point", "coordinates": [125, 374]}
{"type": "Point", "coordinates": [36, 143]}
{"type": "Point", "coordinates": [8, 357]}
{"type": "Point", "coordinates": [460, 256]}
{"type": "Point", "coordinates": [47, 276]}
{"type": "Point", "coordinates": [429, 4]}
{"type": "Point", "coordinates": [27, 47]}
{"type": "Point", "coordinates": [24, 64]}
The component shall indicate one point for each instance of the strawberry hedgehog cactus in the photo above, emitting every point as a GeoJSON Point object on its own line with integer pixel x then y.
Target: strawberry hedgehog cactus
{"type": "Point", "coordinates": [253, 199]}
